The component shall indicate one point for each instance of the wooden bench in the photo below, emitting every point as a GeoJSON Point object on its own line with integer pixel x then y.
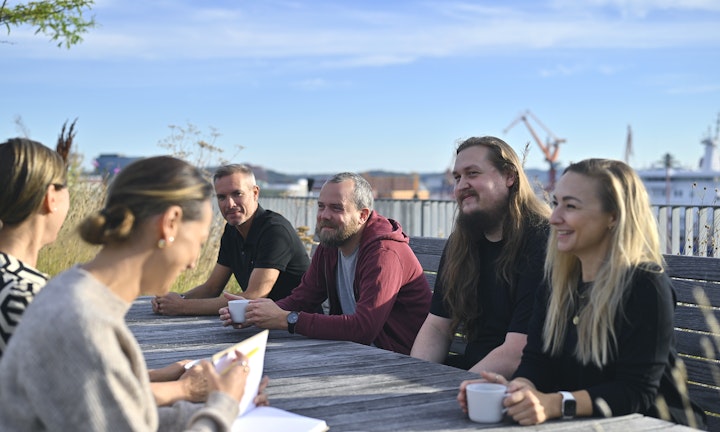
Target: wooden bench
{"type": "Point", "coordinates": [696, 320]}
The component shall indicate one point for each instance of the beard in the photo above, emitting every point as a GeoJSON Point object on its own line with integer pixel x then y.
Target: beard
{"type": "Point", "coordinates": [478, 222]}
{"type": "Point", "coordinates": [335, 238]}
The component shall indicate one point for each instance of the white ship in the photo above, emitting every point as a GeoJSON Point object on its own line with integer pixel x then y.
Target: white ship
{"type": "Point", "coordinates": [688, 187]}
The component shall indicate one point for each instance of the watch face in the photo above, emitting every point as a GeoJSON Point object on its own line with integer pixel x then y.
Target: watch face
{"type": "Point", "coordinates": [569, 407]}
{"type": "Point", "coordinates": [292, 318]}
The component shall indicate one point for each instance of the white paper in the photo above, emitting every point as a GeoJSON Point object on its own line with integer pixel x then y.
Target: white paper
{"type": "Point", "coordinates": [270, 419]}
{"type": "Point", "coordinates": [253, 348]}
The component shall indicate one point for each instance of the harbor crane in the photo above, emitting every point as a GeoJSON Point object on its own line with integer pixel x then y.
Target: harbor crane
{"type": "Point", "coordinates": [550, 149]}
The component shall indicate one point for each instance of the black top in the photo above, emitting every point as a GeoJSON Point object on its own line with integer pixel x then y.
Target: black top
{"type": "Point", "coordinates": [501, 310]}
{"type": "Point", "coordinates": [638, 370]}
{"type": "Point", "coordinates": [271, 243]}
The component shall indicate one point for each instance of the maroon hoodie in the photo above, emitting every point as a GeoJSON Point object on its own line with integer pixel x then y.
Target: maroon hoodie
{"type": "Point", "coordinates": [391, 292]}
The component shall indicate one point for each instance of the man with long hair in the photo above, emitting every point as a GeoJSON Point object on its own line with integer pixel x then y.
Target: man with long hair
{"type": "Point", "coordinates": [491, 265]}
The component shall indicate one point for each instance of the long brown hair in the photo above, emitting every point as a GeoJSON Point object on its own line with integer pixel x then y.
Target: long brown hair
{"type": "Point", "coordinates": [460, 275]}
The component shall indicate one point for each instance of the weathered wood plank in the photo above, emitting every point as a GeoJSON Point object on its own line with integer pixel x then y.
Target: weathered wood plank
{"type": "Point", "coordinates": [351, 386]}
{"type": "Point", "coordinates": [693, 267]}
{"type": "Point", "coordinates": [685, 290]}
{"type": "Point", "coordinates": [693, 318]}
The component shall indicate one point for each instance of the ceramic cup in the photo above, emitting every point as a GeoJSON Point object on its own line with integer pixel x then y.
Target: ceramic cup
{"type": "Point", "coordinates": [237, 310]}
{"type": "Point", "coordinates": [484, 401]}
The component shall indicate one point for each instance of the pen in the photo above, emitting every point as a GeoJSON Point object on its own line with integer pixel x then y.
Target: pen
{"type": "Point", "coordinates": [248, 355]}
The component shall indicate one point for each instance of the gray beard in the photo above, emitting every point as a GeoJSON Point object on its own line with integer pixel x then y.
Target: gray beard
{"type": "Point", "coordinates": [336, 239]}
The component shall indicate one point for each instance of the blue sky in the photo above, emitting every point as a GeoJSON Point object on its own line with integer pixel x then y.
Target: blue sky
{"type": "Point", "coordinates": [304, 86]}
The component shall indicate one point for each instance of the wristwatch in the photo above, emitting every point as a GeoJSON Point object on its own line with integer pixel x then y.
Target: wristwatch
{"type": "Point", "coordinates": [292, 319]}
{"type": "Point", "coordinates": [569, 406]}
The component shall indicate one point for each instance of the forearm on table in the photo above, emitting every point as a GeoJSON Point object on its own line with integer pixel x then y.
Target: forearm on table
{"type": "Point", "coordinates": [261, 282]}
{"type": "Point", "coordinates": [432, 343]}
{"type": "Point", "coordinates": [168, 392]}
{"type": "Point", "coordinates": [204, 306]}
{"type": "Point", "coordinates": [354, 328]}
{"type": "Point", "coordinates": [504, 359]}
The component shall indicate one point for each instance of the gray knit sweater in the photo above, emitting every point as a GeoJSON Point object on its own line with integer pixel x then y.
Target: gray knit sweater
{"type": "Point", "coordinates": [73, 365]}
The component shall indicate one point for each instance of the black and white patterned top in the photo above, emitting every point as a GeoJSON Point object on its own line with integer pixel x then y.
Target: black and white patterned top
{"type": "Point", "coordinates": [19, 284]}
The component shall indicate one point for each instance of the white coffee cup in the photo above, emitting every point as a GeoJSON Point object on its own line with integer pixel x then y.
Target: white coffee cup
{"type": "Point", "coordinates": [484, 401]}
{"type": "Point", "coordinates": [237, 310]}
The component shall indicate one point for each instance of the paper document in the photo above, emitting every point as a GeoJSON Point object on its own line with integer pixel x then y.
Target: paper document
{"type": "Point", "coordinates": [266, 419]}
{"type": "Point", "coordinates": [254, 349]}
{"type": "Point", "coordinates": [271, 419]}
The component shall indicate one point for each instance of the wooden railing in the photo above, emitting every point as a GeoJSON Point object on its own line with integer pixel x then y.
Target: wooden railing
{"type": "Point", "coordinates": [434, 218]}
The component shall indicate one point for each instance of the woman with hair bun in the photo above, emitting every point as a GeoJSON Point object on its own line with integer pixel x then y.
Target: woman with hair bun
{"type": "Point", "coordinates": [34, 202]}
{"type": "Point", "coordinates": [74, 364]}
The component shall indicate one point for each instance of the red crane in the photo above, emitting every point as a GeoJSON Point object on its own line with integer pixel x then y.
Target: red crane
{"type": "Point", "coordinates": [550, 150]}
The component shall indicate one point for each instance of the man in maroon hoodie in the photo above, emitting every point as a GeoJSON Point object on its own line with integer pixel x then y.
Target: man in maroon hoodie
{"type": "Point", "coordinates": [364, 266]}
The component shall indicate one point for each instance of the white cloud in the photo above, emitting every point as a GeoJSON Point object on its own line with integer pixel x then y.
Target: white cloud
{"type": "Point", "coordinates": [696, 89]}
{"type": "Point", "coordinates": [312, 84]}
{"type": "Point", "coordinates": [356, 36]}
{"type": "Point", "coordinates": [640, 8]}
{"type": "Point", "coordinates": [561, 70]}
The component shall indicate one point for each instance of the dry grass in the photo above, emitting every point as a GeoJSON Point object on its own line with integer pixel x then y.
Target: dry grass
{"type": "Point", "coordinates": [69, 249]}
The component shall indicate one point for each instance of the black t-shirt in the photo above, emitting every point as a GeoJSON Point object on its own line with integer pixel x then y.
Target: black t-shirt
{"type": "Point", "coordinates": [501, 310]}
{"type": "Point", "coordinates": [271, 243]}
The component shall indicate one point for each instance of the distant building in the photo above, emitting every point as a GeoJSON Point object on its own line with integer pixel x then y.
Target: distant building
{"type": "Point", "coordinates": [107, 165]}
{"type": "Point", "coordinates": [397, 186]}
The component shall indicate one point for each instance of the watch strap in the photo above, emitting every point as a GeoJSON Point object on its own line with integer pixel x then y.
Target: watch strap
{"type": "Point", "coordinates": [292, 319]}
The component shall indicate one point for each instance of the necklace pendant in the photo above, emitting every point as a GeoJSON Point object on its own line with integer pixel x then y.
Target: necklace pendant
{"type": "Point", "coordinates": [576, 320]}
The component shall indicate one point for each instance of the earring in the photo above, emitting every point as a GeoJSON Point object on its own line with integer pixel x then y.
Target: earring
{"type": "Point", "coordinates": [162, 243]}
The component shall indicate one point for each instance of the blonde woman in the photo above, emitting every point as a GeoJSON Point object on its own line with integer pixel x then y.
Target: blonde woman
{"type": "Point", "coordinates": [601, 340]}
{"type": "Point", "coordinates": [34, 202]}
{"type": "Point", "coordinates": [73, 363]}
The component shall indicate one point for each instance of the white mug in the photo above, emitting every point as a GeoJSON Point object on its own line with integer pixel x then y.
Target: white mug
{"type": "Point", "coordinates": [484, 401]}
{"type": "Point", "coordinates": [237, 310]}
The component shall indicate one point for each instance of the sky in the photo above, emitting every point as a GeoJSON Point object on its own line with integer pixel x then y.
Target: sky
{"type": "Point", "coordinates": [318, 86]}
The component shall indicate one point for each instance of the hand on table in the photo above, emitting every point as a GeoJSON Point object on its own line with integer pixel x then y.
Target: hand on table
{"type": "Point", "coordinates": [169, 304]}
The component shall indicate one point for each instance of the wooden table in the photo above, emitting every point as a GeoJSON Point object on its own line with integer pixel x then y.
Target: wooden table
{"type": "Point", "coordinates": [352, 387]}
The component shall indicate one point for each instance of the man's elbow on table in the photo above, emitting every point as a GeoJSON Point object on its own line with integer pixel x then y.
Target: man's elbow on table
{"type": "Point", "coordinates": [433, 340]}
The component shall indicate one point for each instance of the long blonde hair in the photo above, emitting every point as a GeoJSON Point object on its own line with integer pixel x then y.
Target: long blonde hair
{"type": "Point", "coordinates": [634, 242]}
